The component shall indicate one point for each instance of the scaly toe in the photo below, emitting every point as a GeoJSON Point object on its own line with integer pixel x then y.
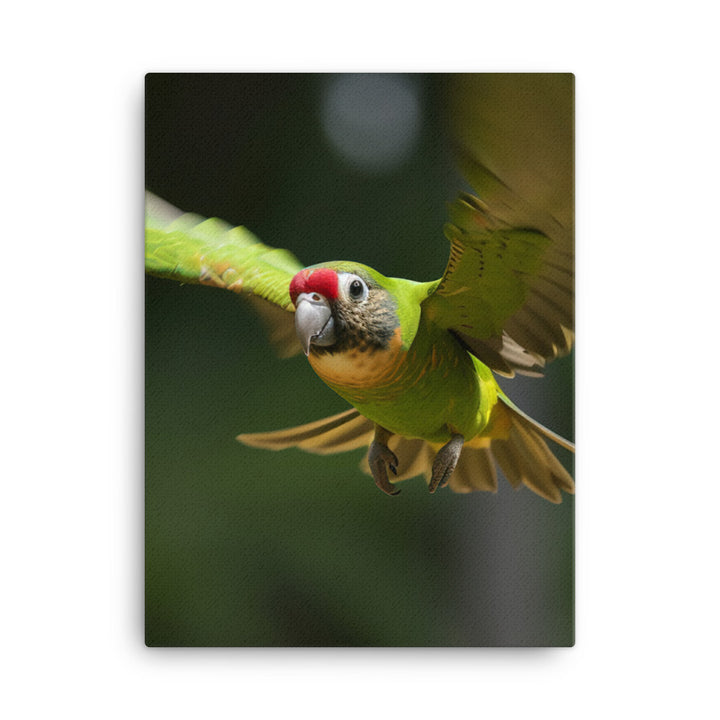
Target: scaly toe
{"type": "Point", "coordinates": [380, 458]}
{"type": "Point", "coordinates": [445, 462]}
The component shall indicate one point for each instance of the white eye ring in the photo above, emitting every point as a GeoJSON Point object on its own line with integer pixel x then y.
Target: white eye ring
{"type": "Point", "coordinates": [355, 288]}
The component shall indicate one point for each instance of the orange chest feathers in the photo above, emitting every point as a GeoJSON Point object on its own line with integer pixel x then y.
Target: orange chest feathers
{"type": "Point", "coordinates": [360, 367]}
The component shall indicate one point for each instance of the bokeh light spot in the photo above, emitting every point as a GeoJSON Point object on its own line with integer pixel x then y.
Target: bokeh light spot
{"type": "Point", "coordinates": [372, 121]}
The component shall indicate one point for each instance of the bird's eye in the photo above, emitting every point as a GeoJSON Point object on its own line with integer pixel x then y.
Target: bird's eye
{"type": "Point", "coordinates": [357, 289]}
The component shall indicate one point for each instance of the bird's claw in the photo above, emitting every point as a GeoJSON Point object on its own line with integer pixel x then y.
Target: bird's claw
{"type": "Point", "coordinates": [445, 462]}
{"type": "Point", "coordinates": [380, 458]}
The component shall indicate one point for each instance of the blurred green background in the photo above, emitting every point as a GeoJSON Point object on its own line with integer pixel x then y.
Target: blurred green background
{"type": "Point", "coordinates": [246, 547]}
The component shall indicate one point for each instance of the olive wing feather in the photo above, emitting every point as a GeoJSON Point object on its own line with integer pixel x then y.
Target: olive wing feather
{"type": "Point", "coordinates": [513, 135]}
{"type": "Point", "coordinates": [507, 293]}
{"type": "Point", "coordinates": [508, 289]}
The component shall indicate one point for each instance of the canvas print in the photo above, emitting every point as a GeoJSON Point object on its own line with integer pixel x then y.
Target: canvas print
{"type": "Point", "coordinates": [359, 320]}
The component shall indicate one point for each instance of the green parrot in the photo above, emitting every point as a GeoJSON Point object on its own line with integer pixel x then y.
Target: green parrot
{"type": "Point", "coordinates": [416, 360]}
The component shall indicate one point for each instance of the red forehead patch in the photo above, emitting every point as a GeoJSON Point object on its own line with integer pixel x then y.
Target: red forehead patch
{"type": "Point", "coordinates": [322, 281]}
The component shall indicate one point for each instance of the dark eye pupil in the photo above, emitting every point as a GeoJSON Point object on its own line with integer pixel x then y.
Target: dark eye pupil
{"type": "Point", "coordinates": [356, 289]}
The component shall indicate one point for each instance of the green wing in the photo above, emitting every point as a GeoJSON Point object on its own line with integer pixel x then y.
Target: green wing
{"type": "Point", "coordinates": [514, 143]}
{"type": "Point", "coordinates": [508, 289]}
{"type": "Point", "coordinates": [192, 249]}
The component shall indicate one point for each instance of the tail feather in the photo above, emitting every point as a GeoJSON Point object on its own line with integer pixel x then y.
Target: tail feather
{"type": "Point", "coordinates": [524, 456]}
{"type": "Point", "coordinates": [535, 473]}
{"type": "Point", "coordinates": [411, 454]}
{"type": "Point", "coordinates": [508, 463]}
{"type": "Point", "coordinates": [475, 471]}
{"type": "Point", "coordinates": [515, 442]}
{"type": "Point", "coordinates": [518, 414]}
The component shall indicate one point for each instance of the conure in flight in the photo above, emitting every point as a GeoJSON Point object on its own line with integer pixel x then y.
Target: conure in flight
{"type": "Point", "coordinates": [415, 360]}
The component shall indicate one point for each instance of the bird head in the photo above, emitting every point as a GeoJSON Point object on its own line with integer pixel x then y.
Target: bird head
{"type": "Point", "coordinates": [339, 306]}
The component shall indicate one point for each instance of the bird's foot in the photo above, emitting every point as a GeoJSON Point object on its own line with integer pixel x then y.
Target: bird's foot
{"type": "Point", "coordinates": [380, 458]}
{"type": "Point", "coordinates": [445, 462]}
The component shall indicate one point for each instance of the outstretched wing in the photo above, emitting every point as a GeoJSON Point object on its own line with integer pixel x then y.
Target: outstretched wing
{"type": "Point", "coordinates": [507, 293]}
{"type": "Point", "coordinates": [514, 143]}
{"type": "Point", "coordinates": [192, 249]}
{"type": "Point", "coordinates": [508, 289]}
{"type": "Point", "coordinates": [346, 431]}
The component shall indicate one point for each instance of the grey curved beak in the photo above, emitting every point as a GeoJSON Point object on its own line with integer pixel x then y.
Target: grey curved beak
{"type": "Point", "coordinates": [313, 321]}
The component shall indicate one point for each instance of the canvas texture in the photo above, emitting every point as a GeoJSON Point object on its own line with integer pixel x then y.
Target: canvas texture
{"type": "Point", "coordinates": [247, 547]}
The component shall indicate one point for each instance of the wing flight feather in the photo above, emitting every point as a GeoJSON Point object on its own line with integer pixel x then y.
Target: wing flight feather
{"type": "Point", "coordinates": [192, 249]}
{"type": "Point", "coordinates": [508, 289]}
